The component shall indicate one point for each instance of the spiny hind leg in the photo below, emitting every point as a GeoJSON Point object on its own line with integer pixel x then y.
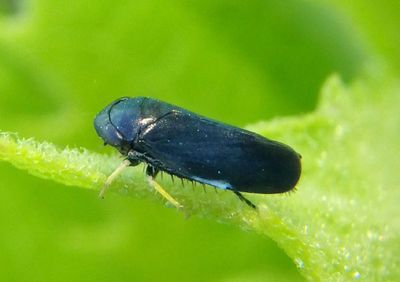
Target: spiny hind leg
{"type": "Point", "coordinates": [151, 174]}
{"type": "Point", "coordinates": [244, 199]}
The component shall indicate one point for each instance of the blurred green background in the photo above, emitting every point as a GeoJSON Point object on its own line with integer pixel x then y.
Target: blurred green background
{"type": "Point", "coordinates": [236, 61]}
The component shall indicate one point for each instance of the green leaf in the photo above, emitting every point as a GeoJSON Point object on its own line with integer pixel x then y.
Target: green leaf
{"type": "Point", "coordinates": [340, 224]}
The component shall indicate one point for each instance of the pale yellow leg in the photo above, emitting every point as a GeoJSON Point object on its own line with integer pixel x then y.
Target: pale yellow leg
{"type": "Point", "coordinates": [163, 193]}
{"type": "Point", "coordinates": [114, 175]}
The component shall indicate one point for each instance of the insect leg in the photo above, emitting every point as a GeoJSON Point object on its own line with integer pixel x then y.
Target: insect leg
{"type": "Point", "coordinates": [151, 174]}
{"type": "Point", "coordinates": [112, 176]}
{"type": "Point", "coordinates": [242, 198]}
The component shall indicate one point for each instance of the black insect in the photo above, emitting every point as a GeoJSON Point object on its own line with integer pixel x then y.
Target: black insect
{"type": "Point", "coordinates": [184, 144]}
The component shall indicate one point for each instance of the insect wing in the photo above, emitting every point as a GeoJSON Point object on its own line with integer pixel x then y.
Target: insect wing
{"type": "Point", "coordinates": [200, 149]}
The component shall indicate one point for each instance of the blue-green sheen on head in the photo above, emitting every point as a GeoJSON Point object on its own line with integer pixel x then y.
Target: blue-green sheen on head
{"type": "Point", "coordinates": [119, 123]}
